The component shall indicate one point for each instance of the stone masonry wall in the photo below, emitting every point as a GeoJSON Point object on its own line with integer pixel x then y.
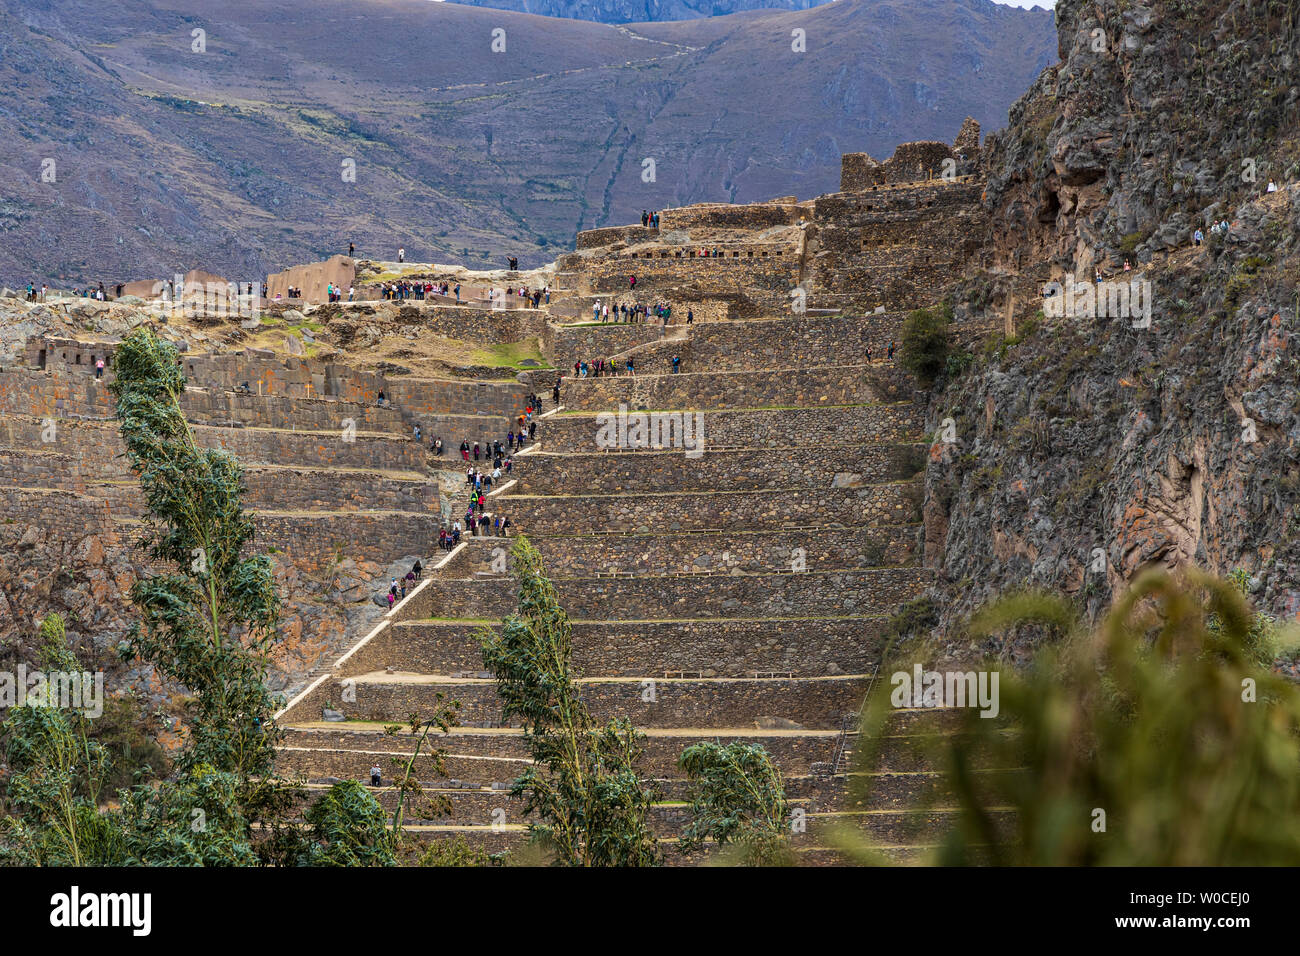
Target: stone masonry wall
{"type": "Point", "coordinates": [859, 592]}
{"type": "Point", "coordinates": [760, 428]}
{"type": "Point", "coordinates": [822, 549]}
{"type": "Point", "coordinates": [601, 473]}
{"type": "Point", "coordinates": [811, 702]}
{"type": "Point", "coordinates": [648, 648]}
{"type": "Point", "coordinates": [825, 385]}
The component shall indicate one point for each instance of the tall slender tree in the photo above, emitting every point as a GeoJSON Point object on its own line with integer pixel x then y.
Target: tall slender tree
{"type": "Point", "coordinates": [207, 625]}
{"type": "Point", "coordinates": [583, 786]}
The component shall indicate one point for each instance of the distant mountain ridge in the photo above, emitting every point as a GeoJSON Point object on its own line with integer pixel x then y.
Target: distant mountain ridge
{"type": "Point", "coordinates": [233, 159]}
{"type": "Point", "coordinates": [640, 11]}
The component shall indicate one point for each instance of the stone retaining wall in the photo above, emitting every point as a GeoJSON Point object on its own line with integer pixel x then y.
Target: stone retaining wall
{"type": "Point", "coordinates": [758, 428]}
{"type": "Point", "coordinates": [891, 504]}
{"type": "Point", "coordinates": [649, 648]}
{"type": "Point", "coordinates": [645, 597]}
{"type": "Point", "coordinates": [825, 385]}
{"type": "Point", "coordinates": [99, 444]}
{"type": "Point", "coordinates": [818, 549]}
{"type": "Point", "coordinates": [725, 470]}
{"type": "Point", "coordinates": [816, 703]}
{"type": "Point", "coordinates": [795, 753]}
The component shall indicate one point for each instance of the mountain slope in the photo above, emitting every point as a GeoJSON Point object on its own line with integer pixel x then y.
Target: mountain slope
{"type": "Point", "coordinates": [640, 11]}
{"type": "Point", "coordinates": [232, 158]}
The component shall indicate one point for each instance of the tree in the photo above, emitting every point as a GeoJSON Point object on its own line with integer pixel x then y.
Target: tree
{"type": "Point", "coordinates": [349, 829]}
{"type": "Point", "coordinates": [53, 794]}
{"type": "Point", "coordinates": [1156, 740]}
{"type": "Point", "coordinates": [207, 626]}
{"type": "Point", "coordinates": [925, 343]}
{"type": "Point", "coordinates": [737, 800]}
{"type": "Point", "coordinates": [583, 785]}
{"type": "Point", "coordinates": [55, 775]}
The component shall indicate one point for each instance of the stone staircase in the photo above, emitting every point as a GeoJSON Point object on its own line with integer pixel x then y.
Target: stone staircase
{"type": "Point", "coordinates": [738, 594]}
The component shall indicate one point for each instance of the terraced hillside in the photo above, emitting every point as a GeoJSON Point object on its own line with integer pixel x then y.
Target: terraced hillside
{"type": "Point", "coordinates": [340, 494]}
{"type": "Point", "coordinates": [737, 594]}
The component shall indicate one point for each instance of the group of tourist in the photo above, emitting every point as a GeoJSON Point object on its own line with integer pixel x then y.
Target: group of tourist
{"type": "Point", "coordinates": [649, 220]}
{"type": "Point", "coordinates": [398, 588]}
{"type": "Point", "coordinates": [1216, 229]}
{"type": "Point", "coordinates": [406, 289]}
{"type": "Point", "coordinates": [334, 293]}
{"type": "Point", "coordinates": [636, 313]}
{"type": "Point", "coordinates": [889, 353]}
{"type": "Point", "coordinates": [527, 295]}
{"type": "Point", "coordinates": [599, 367]}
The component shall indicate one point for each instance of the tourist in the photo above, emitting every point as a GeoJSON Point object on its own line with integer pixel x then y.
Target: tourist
{"type": "Point", "coordinates": [690, 316]}
{"type": "Point", "coordinates": [645, 218]}
{"type": "Point", "coordinates": [677, 363]}
{"type": "Point", "coordinates": [464, 451]}
{"type": "Point", "coordinates": [401, 255]}
{"type": "Point", "coordinates": [476, 451]}
{"type": "Point", "coordinates": [890, 352]}
{"type": "Point", "coordinates": [1197, 237]}
{"type": "Point", "coordinates": [99, 368]}
{"type": "Point", "coordinates": [416, 569]}
{"type": "Point", "coordinates": [376, 775]}
{"type": "Point", "coordinates": [351, 250]}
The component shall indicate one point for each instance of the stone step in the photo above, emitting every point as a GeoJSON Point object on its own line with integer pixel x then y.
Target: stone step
{"type": "Point", "coordinates": [583, 554]}
{"type": "Point", "coordinates": [514, 839]}
{"type": "Point", "coordinates": [301, 490]}
{"type": "Point", "coordinates": [98, 445]}
{"type": "Point", "coordinates": [485, 807]}
{"type": "Point", "coordinates": [812, 702]}
{"type": "Point", "coordinates": [753, 427]}
{"type": "Point", "coordinates": [705, 647]}
{"type": "Point", "coordinates": [838, 593]}
{"type": "Point", "coordinates": [733, 469]}
{"type": "Point", "coordinates": [324, 748]}
{"type": "Point", "coordinates": [878, 382]}
{"type": "Point", "coordinates": [778, 509]}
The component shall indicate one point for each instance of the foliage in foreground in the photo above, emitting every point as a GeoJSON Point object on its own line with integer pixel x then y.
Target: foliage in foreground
{"type": "Point", "coordinates": [206, 626]}
{"type": "Point", "coordinates": [1158, 739]}
{"type": "Point", "coordinates": [737, 801]}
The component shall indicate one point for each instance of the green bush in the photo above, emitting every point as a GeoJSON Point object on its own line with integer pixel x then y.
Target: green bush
{"type": "Point", "coordinates": [926, 343]}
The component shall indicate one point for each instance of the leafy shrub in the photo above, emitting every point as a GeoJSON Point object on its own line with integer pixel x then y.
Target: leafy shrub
{"type": "Point", "coordinates": [926, 344]}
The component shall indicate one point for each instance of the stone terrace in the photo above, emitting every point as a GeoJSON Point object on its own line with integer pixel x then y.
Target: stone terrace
{"type": "Point", "coordinates": [737, 594]}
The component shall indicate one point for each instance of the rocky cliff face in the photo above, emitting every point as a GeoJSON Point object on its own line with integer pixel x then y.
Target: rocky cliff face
{"type": "Point", "coordinates": [1091, 445]}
